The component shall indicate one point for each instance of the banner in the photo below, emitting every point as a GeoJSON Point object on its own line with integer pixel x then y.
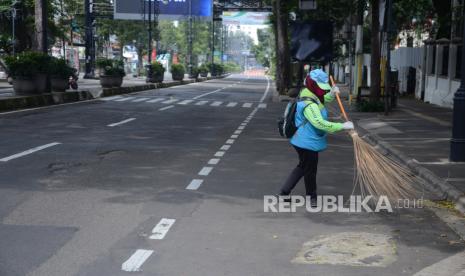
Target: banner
{"type": "Point", "coordinates": [168, 9]}
{"type": "Point", "coordinates": [245, 18]}
{"type": "Point", "coordinates": [312, 41]}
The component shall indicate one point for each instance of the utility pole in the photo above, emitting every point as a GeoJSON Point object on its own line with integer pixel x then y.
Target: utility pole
{"type": "Point", "coordinates": [90, 47]}
{"type": "Point", "coordinates": [149, 50]}
{"type": "Point", "coordinates": [457, 143]}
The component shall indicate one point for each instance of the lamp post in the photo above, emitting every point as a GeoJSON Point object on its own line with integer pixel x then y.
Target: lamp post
{"type": "Point", "coordinates": [457, 143]}
{"type": "Point", "coordinates": [149, 56]}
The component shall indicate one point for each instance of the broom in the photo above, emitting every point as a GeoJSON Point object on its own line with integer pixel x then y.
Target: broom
{"type": "Point", "coordinates": [376, 174]}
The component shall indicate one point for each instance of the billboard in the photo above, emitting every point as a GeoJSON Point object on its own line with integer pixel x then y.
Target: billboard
{"type": "Point", "coordinates": [312, 41]}
{"type": "Point", "coordinates": [245, 18]}
{"type": "Point", "coordinates": [169, 9]}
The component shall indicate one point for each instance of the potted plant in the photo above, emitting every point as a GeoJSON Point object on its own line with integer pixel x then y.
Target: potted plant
{"type": "Point", "coordinates": [111, 72]}
{"type": "Point", "coordinates": [158, 72]}
{"type": "Point", "coordinates": [203, 70]}
{"type": "Point", "coordinates": [60, 72]}
{"type": "Point", "coordinates": [194, 74]}
{"type": "Point", "coordinates": [29, 72]}
{"type": "Point", "coordinates": [217, 69]}
{"type": "Point", "coordinates": [177, 72]}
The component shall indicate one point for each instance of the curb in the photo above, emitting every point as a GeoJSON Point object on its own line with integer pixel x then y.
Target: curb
{"type": "Point", "coordinates": [57, 98]}
{"type": "Point", "coordinates": [435, 183]}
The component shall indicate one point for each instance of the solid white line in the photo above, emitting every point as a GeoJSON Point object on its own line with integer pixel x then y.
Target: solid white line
{"type": "Point", "coordinates": [140, 100]}
{"type": "Point", "coordinates": [201, 102]}
{"type": "Point", "coordinates": [234, 136]}
{"type": "Point", "coordinates": [137, 259]}
{"type": "Point", "coordinates": [124, 99]}
{"type": "Point", "coordinates": [232, 104]}
{"type": "Point", "coordinates": [219, 153]}
{"type": "Point", "coordinates": [205, 171]}
{"type": "Point", "coordinates": [262, 105]}
{"type": "Point", "coordinates": [166, 107]}
{"type": "Point", "coordinates": [156, 100]}
{"type": "Point", "coordinates": [208, 93]}
{"type": "Point", "coordinates": [230, 141]}
{"type": "Point", "coordinates": [266, 90]}
{"type": "Point", "coordinates": [247, 105]}
{"type": "Point", "coordinates": [161, 229]}
{"type": "Point", "coordinates": [185, 102]}
{"type": "Point", "coordinates": [225, 147]}
{"type": "Point", "coordinates": [122, 122]}
{"type": "Point", "coordinates": [213, 161]}
{"type": "Point", "coordinates": [29, 151]}
{"type": "Point", "coordinates": [170, 101]}
{"type": "Point", "coordinates": [216, 103]}
{"type": "Point", "coordinates": [195, 184]}
{"type": "Point", "coordinates": [111, 98]}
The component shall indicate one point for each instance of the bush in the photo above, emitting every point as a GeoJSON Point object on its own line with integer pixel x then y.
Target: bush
{"type": "Point", "coordinates": [111, 67]}
{"type": "Point", "coordinates": [178, 71]}
{"type": "Point", "coordinates": [59, 68]}
{"type": "Point", "coordinates": [231, 67]}
{"type": "Point", "coordinates": [158, 69]}
{"type": "Point", "coordinates": [28, 64]}
{"type": "Point", "coordinates": [194, 72]}
{"type": "Point", "coordinates": [216, 69]}
{"type": "Point", "coordinates": [203, 69]}
{"type": "Point", "coordinates": [368, 106]}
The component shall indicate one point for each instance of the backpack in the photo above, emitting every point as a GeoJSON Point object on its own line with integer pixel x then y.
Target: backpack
{"type": "Point", "coordinates": [286, 124]}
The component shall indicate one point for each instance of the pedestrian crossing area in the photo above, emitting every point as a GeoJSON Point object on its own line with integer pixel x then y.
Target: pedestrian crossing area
{"type": "Point", "coordinates": [174, 101]}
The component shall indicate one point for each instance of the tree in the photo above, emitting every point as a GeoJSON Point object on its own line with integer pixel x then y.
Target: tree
{"type": "Point", "coordinates": [280, 26]}
{"type": "Point", "coordinates": [375, 72]}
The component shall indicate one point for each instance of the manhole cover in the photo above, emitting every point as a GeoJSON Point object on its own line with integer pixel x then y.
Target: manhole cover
{"type": "Point", "coordinates": [348, 248]}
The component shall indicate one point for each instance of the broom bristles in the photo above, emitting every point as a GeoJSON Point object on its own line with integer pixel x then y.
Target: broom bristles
{"type": "Point", "coordinates": [379, 175]}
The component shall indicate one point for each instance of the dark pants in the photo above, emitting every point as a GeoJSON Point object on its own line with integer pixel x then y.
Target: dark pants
{"type": "Point", "coordinates": [307, 167]}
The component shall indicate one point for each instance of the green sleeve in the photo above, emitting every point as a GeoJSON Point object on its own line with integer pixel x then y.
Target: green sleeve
{"type": "Point", "coordinates": [313, 115]}
{"type": "Point", "coordinates": [328, 98]}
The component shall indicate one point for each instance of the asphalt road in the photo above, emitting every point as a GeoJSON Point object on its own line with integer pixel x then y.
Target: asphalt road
{"type": "Point", "coordinates": [171, 182]}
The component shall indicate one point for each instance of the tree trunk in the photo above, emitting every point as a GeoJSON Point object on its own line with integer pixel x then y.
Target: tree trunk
{"type": "Point", "coordinates": [40, 25]}
{"type": "Point", "coordinates": [282, 43]}
{"type": "Point", "coordinates": [375, 53]}
{"type": "Point", "coordinates": [140, 61]}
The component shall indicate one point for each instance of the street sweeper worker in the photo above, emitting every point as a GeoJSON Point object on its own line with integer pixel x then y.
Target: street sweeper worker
{"type": "Point", "coordinates": [311, 118]}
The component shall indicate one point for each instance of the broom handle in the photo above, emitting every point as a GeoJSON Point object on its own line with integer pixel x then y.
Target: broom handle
{"type": "Point", "coordinates": [339, 101]}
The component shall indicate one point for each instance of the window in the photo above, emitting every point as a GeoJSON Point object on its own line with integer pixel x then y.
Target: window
{"type": "Point", "coordinates": [458, 64]}
{"type": "Point", "coordinates": [433, 61]}
{"type": "Point", "coordinates": [445, 61]}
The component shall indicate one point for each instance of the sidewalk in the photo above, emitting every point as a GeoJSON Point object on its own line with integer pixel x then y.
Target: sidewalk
{"type": "Point", "coordinates": [418, 134]}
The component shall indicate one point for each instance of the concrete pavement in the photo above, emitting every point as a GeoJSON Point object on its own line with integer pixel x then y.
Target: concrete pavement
{"type": "Point", "coordinates": [133, 185]}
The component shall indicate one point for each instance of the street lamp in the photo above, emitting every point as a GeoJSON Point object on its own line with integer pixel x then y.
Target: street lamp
{"type": "Point", "coordinates": [457, 143]}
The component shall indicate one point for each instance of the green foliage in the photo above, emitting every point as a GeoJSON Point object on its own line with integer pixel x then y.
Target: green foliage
{"type": "Point", "coordinates": [369, 106]}
{"type": "Point", "coordinates": [158, 69]}
{"type": "Point", "coordinates": [28, 64]}
{"type": "Point", "coordinates": [177, 69]}
{"type": "Point", "coordinates": [59, 68]}
{"type": "Point", "coordinates": [232, 67]}
{"type": "Point", "coordinates": [203, 69]}
{"type": "Point", "coordinates": [194, 72]}
{"type": "Point", "coordinates": [216, 69]}
{"type": "Point", "coordinates": [111, 67]}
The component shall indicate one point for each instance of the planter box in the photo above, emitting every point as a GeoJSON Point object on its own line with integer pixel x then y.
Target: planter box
{"type": "Point", "coordinates": [24, 86]}
{"type": "Point", "coordinates": [59, 84]}
{"type": "Point", "coordinates": [110, 81]}
{"type": "Point", "coordinates": [204, 75]}
{"type": "Point", "coordinates": [156, 78]}
{"type": "Point", "coordinates": [178, 77]}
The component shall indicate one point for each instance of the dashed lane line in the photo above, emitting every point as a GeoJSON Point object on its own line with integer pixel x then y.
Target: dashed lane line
{"type": "Point", "coordinates": [213, 161]}
{"type": "Point", "coordinates": [161, 229]}
{"type": "Point", "coordinates": [234, 136]}
{"type": "Point", "coordinates": [138, 100]}
{"type": "Point", "coordinates": [122, 122]}
{"type": "Point", "coordinates": [230, 141]}
{"type": "Point", "coordinates": [219, 154]}
{"type": "Point", "coordinates": [195, 184]}
{"type": "Point", "coordinates": [29, 151]}
{"type": "Point", "coordinates": [125, 99]}
{"type": "Point", "coordinates": [111, 98]}
{"type": "Point", "coordinates": [156, 100]}
{"type": "Point", "coordinates": [170, 101]}
{"type": "Point", "coordinates": [231, 104]}
{"type": "Point", "coordinates": [135, 262]}
{"type": "Point", "coordinates": [185, 102]}
{"type": "Point", "coordinates": [216, 103]}
{"type": "Point", "coordinates": [225, 147]}
{"type": "Point", "coordinates": [247, 105]}
{"type": "Point", "coordinates": [262, 105]}
{"type": "Point", "coordinates": [201, 102]}
{"type": "Point", "coordinates": [205, 171]}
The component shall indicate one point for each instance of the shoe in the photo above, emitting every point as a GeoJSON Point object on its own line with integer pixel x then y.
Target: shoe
{"type": "Point", "coordinates": [313, 201]}
{"type": "Point", "coordinates": [285, 198]}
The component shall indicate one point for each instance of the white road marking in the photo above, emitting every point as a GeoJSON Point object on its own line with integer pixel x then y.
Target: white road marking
{"type": "Point", "coordinates": [241, 127]}
{"type": "Point", "coordinates": [185, 102]}
{"type": "Point", "coordinates": [266, 90]}
{"type": "Point", "coordinates": [170, 101]}
{"type": "Point", "coordinates": [230, 141]}
{"type": "Point", "coordinates": [161, 229]}
{"type": "Point", "coordinates": [216, 103]}
{"type": "Point", "coordinates": [247, 105]}
{"type": "Point", "coordinates": [166, 107]}
{"type": "Point", "coordinates": [137, 259]}
{"type": "Point", "coordinates": [122, 122]}
{"type": "Point", "coordinates": [111, 98]}
{"type": "Point", "coordinates": [234, 136]}
{"type": "Point", "coordinates": [124, 99]}
{"type": "Point", "coordinates": [225, 147]}
{"type": "Point", "coordinates": [208, 93]}
{"type": "Point", "coordinates": [140, 100]}
{"type": "Point", "coordinates": [29, 151]}
{"type": "Point", "coordinates": [238, 132]}
{"type": "Point", "coordinates": [219, 153]}
{"type": "Point", "coordinates": [205, 171]}
{"type": "Point", "coordinates": [231, 104]}
{"type": "Point", "coordinates": [213, 161]}
{"type": "Point", "coordinates": [262, 105]}
{"type": "Point", "coordinates": [156, 100]}
{"type": "Point", "coordinates": [195, 184]}
{"type": "Point", "coordinates": [201, 102]}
